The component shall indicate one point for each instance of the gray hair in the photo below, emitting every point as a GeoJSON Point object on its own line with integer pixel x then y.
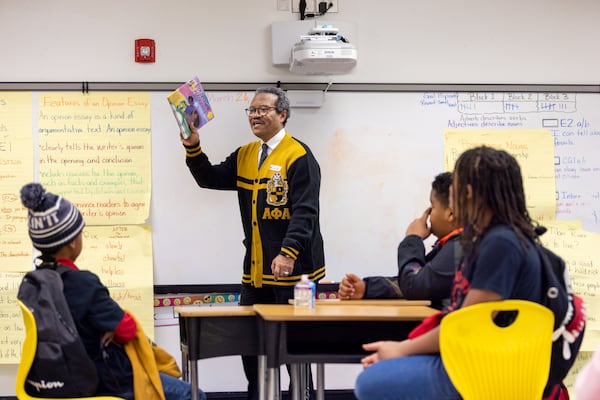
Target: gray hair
{"type": "Point", "coordinates": [282, 104]}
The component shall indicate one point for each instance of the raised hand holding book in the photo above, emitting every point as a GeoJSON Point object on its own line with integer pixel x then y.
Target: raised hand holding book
{"type": "Point", "coordinates": [190, 103]}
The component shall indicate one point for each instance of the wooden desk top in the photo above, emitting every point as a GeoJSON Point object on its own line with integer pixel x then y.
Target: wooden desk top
{"type": "Point", "coordinates": [217, 311]}
{"type": "Point", "coordinates": [350, 312]}
{"type": "Point", "coordinates": [374, 302]}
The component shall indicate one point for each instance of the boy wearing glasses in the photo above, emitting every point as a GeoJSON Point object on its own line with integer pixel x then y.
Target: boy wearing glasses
{"type": "Point", "coordinates": [277, 180]}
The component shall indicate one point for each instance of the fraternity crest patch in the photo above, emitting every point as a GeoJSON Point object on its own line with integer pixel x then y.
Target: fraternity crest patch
{"type": "Point", "coordinates": [277, 190]}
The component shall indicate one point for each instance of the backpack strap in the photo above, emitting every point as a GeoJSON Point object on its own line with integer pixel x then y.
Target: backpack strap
{"type": "Point", "coordinates": [458, 254]}
{"type": "Point", "coordinates": [47, 262]}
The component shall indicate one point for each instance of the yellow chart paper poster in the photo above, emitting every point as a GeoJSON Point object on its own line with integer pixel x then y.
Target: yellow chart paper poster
{"type": "Point", "coordinates": [121, 256]}
{"type": "Point", "coordinates": [12, 331]}
{"type": "Point", "coordinates": [579, 249]}
{"type": "Point", "coordinates": [95, 149]}
{"type": "Point", "coordinates": [533, 149]}
{"type": "Point", "coordinates": [16, 169]}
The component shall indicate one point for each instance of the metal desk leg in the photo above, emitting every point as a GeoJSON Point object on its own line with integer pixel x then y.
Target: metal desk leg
{"type": "Point", "coordinates": [303, 382]}
{"type": "Point", "coordinates": [262, 377]}
{"type": "Point", "coordinates": [296, 381]}
{"type": "Point", "coordinates": [194, 376]}
{"type": "Point", "coordinates": [277, 382]}
{"type": "Point", "coordinates": [273, 387]}
{"type": "Point", "coordinates": [185, 373]}
{"type": "Point", "coordinates": [320, 381]}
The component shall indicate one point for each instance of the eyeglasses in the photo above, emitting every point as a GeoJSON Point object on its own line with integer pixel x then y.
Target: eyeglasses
{"type": "Point", "coordinates": [260, 111]}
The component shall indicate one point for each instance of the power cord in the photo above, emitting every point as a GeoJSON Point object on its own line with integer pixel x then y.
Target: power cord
{"type": "Point", "coordinates": [323, 8]}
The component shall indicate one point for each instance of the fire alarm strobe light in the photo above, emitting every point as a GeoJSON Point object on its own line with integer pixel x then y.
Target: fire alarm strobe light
{"type": "Point", "coordinates": [144, 50]}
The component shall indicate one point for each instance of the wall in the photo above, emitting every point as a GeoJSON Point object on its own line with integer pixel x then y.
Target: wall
{"type": "Point", "coordinates": [431, 41]}
{"type": "Point", "coordinates": [378, 153]}
{"type": "Point", "coordinates": [465, 41]}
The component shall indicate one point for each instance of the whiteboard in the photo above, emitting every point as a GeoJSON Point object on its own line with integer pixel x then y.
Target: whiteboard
{"type": "Point", "coordinates": [378, 154]}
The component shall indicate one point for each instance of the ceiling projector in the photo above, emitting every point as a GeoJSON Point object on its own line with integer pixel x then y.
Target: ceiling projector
{"type": "Point", "coordinates": [322, 52]}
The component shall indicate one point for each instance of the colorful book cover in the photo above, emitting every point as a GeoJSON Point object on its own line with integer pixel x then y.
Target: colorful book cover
{"type": "Point", "coordinates": [189, 101]}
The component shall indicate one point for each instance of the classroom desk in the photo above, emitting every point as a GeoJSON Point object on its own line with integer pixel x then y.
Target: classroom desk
{"type": "Point", "coordinates": [329, 333]}
{"type": "Point", "coordinates": [207, 332]}
{"type": "Point", "coordinates": [373, 302]}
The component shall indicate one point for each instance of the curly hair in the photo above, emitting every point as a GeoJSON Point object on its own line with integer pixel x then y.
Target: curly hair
{"type": "Point", "coordinates": [441, 185]}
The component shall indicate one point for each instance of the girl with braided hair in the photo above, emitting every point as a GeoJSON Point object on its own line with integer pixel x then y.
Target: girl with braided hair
{"type": "Point", "coordinates": [499, 262]}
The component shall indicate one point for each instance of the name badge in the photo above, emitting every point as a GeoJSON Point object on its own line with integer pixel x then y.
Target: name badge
{"type": "Point", "coordinates": [275, 168]}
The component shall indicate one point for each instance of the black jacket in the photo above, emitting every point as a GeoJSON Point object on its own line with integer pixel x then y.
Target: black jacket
{"type": "Point", "coordinates": [279, 206]}
{"type": "Point", "coordinates": [420, 276]}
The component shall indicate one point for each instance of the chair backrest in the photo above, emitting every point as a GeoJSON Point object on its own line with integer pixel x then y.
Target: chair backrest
{"type": "Point", "coordinates": [28, 353]}
{"type": "Point", "coordinates": [27, 356]}
{"type": "Point", "coordinates": [486, 361]}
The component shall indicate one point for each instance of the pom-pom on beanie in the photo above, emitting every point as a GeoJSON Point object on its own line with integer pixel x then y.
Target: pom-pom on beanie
{"type": "Point", "coordinates": [53, 221]}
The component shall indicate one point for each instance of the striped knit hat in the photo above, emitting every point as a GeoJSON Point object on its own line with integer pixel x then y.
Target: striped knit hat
{"type": "Point", "coordinates": [53, 221]}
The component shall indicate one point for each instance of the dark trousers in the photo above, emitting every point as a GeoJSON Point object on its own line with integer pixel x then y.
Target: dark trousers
{"type": "Point", "coordinates": [250, 295]}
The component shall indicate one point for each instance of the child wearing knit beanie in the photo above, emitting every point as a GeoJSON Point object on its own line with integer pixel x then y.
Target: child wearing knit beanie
{"type": "Point", "coordinates": [55, 229]}
{"type": "Point", "coordinates": [53, 221]}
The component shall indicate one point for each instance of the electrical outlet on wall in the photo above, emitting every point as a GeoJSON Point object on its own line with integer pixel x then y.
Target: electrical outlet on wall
{"type": "Point", "coordinates": [312, 6]}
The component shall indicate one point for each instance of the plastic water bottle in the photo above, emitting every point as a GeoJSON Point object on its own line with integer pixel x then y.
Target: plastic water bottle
{"type": "Point", "coordinates": [304, 293]}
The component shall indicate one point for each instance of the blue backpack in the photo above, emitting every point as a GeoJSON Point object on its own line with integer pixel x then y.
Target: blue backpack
{"type": "Point", "coordinates": [61, 367]}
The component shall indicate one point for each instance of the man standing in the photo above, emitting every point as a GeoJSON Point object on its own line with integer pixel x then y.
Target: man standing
{"type": "Point", "coordinates": [277, 180]}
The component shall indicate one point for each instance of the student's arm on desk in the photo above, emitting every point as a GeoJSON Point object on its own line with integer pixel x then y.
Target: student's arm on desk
{"type": "Point", "coordinates": [427, 343]}
{"type": "Point", "coordinates": [352, 287]}
{"type": "Point", "coordinates": [374, 302]}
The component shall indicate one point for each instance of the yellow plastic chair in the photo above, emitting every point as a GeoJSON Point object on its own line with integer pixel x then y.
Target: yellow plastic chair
{"type": "Point", "coordinates": [28, 353]}
{"type": "Point", "coordinates": [485, 361]}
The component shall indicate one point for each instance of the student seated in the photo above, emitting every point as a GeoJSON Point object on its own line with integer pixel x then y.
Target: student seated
{"type": "Point", "coordinates": [420, 276]}
{"type": "Point", "coordinates": [499, 262]}
{"type": "Point", "coordinates": [55, 229]}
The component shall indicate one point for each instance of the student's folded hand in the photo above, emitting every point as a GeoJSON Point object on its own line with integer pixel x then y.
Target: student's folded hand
{"type": "Point", "coordinates": [351, 287]}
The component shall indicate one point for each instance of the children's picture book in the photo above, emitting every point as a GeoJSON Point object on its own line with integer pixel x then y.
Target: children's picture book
{"type": "Point", "coordinates": [189, 103]}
